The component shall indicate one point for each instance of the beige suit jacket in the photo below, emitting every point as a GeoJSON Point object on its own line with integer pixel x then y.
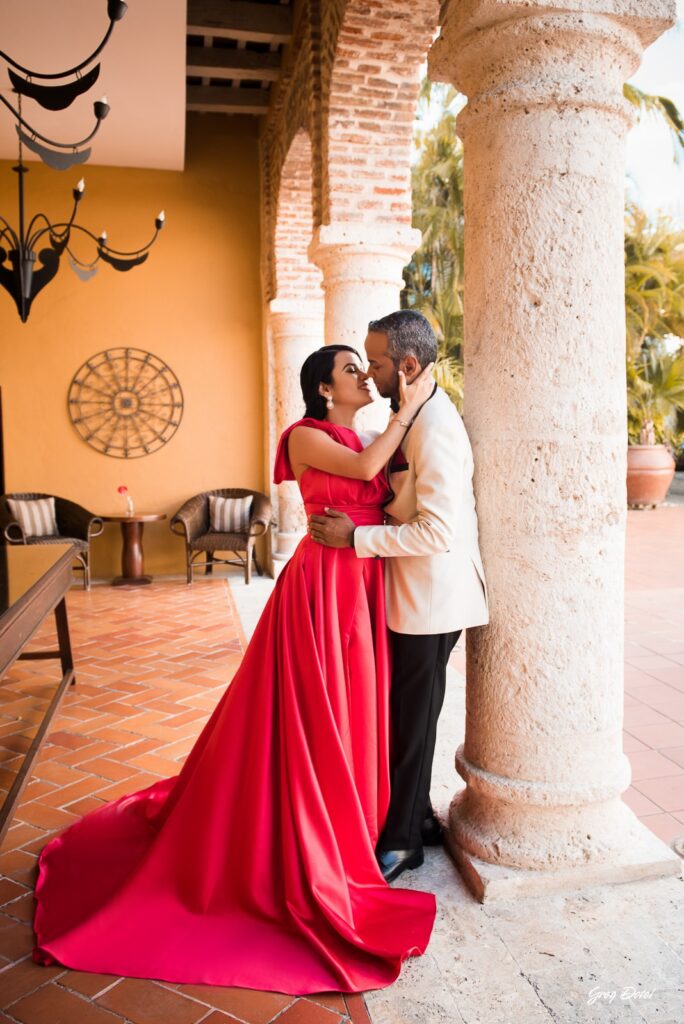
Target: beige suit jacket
{"type": "Point", "coordinates": [433, 571]}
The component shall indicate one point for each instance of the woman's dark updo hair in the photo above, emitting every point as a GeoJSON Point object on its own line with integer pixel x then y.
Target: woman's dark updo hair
{"type": "Point", "coordinates": [317, 370]}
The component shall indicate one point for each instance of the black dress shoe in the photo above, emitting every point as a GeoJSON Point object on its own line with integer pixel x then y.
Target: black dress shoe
{"type": "Point", "coordinates": [394, 862]}
{"type": "Point", "coordinates": [431, 832]}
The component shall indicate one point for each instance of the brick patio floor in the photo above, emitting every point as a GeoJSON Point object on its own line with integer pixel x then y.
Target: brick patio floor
{"type": "Point", "coordinates": [654, 669]}
{"type": "Point", "coordinates": [151, 664]}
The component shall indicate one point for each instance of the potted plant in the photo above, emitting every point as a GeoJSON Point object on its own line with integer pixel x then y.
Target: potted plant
{"type": "Point", "coordinates": [655, 399]}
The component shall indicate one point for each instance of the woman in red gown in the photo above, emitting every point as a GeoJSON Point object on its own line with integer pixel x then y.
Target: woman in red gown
{"type": "Point", "coordinates": [255, 866]}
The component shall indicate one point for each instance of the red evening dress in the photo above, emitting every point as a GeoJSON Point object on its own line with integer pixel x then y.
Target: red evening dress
{"type": "Point", "coordinates": [255, 866]}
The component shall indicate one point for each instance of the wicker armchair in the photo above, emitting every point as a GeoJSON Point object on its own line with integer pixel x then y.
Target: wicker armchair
{"type": "Point", "coordinates": [75, 525]}
{"type": "Point", "coordinates": [191, 521]}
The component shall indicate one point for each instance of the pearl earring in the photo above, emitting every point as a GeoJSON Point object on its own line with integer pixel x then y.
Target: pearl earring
{"type": "Point", "coordinates": [329, 403]}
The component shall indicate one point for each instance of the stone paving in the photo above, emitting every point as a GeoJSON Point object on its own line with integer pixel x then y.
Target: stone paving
{"type": "Point", "coordinates": [605, 954]}
{"type": "Point", "coordinates": [151, 664]}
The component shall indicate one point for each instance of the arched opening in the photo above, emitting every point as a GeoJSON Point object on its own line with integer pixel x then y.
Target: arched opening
{"type": "Point", "coordinates": [373, 92]}
{"type": "Point", "coordinates": [296, 278]}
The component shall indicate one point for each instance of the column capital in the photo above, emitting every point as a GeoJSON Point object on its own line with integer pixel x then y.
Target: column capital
{"type": "Point", "coordinates": [363, 252]}
{"type": "Point", "coordinates": [297, 317]}
{"type": "Point", "coordinates": [523, 54]}
{"type": "Point", "coordinates": [303, 309]}
{"type": "Point", "coordinates": [647, 18]}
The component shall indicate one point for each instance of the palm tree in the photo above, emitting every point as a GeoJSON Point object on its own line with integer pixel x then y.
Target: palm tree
{"type": "Point", "coordinates": [655, 395]}
{"type": "Point", "coordinates": [654, 306]}
{"type": "Point", "coordinates": [654, 254]}
{"type": "Point", "coordinates": [434, 277]}
{"type": "Point", "coordinates": [664, 109]}
{"type": "Point", "coordinates": [654, 280]}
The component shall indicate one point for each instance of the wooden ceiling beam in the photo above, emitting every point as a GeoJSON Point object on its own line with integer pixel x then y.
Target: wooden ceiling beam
{"type": "Point", "coordinates": [237, 65]}
{"type": "Point", "coordinates": [217, 99]}
{"type": "Point", "coordinates": [262, 23]}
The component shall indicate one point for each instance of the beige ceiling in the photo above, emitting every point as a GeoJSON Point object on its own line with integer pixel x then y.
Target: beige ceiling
{"type": "Point", "coordinates": [143, 75]}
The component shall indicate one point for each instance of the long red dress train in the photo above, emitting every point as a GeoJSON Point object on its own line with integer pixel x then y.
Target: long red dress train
{"type": "Point", "coordinates": [255, 866]}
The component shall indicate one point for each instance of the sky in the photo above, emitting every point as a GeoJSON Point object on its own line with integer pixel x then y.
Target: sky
{"type": "Point", "coordinates": [655, 180]}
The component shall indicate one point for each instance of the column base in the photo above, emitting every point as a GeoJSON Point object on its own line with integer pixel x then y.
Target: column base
{"type": "Point", "coordinates": [645, 857]}
{"type": "Point", "coordinates": [286, 544]}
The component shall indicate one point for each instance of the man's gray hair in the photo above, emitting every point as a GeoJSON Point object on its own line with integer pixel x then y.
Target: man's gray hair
{"type": "Point", "coordinates": [408, 334]}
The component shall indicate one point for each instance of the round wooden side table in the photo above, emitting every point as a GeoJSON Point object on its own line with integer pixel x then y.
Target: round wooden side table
{"type": "Point", "coordinates": [132, 565]}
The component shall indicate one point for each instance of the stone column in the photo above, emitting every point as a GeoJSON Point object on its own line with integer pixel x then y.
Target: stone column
{"type": "Point", "coordinates": [296, 331]}
{"type": "Point", "coordinates": [362, 280]}
{"type": "Point", "coordinates": [543, 133]}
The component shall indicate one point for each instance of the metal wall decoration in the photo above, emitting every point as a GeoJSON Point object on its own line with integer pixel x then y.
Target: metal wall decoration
{"type": "Point", "coordinates": [125, 402]}
{"type": "Point", "coordinates": [25, 268]}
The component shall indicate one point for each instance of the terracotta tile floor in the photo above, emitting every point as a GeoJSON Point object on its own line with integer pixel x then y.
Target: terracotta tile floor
{"type": "Point", "coordinates": [654, 668]}
{"type": "Point", "coordinates": [151, 664]}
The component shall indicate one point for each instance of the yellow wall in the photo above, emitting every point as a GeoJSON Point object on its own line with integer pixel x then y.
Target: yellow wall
{"type": "Point", "coordinates": [195, 304]}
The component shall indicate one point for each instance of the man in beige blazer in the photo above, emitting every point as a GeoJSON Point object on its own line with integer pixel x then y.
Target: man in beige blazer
{"type": "Point", "coordinates": [435, 583]}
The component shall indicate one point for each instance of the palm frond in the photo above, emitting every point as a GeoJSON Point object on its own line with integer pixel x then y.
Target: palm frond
{"type": "Point", "coordinates": [655, 393]}
{"type": "Point", "coordinates": [448, 373]}
{"type": "Point", "coordinates": [654, 279]}
{"type": "Point", "coordinates": [661, 107]}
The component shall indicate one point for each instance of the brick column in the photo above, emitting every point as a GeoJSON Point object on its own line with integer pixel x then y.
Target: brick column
{"type": "Point", "coordinates": [362, 280]}
{"type": "Point", "coordinates": [297, 330]}
{"type": "Point", "coordinates": [543, 133]}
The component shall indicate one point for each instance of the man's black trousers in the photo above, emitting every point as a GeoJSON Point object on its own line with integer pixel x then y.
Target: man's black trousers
{"type": "Point", "coordinates": [416, 698]}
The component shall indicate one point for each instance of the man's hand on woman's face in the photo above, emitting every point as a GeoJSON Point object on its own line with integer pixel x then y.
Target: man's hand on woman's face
{"type": "Point", "coordinates": [334, 530]}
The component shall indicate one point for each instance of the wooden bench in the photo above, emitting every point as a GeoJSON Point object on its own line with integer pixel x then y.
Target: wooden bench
{"type": "Point", "coordinates": [33, 585]}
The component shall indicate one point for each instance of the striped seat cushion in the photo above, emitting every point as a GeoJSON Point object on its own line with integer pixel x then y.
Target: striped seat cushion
{"type": "Point", "coordinates": [230, 515]}
{"type": "Point", "coordinates": [36, 516]}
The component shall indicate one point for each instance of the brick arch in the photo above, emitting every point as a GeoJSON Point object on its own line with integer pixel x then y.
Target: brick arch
{"type": "Point", "coordinates": [369, 107]}
{"type": "Point", "coordinates": [295, 277]}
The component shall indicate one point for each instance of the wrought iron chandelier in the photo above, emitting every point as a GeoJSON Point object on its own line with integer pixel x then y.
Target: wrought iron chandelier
{"type": "Point", "coordinates": [19, 273]}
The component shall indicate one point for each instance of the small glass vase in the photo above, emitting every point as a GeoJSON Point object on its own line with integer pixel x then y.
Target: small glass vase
{"type": "Point", "coordinates": [130, 507]}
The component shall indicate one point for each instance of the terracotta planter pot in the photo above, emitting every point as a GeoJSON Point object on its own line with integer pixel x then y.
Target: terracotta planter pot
{"type": "Point", "coordinates": [650, 469]}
